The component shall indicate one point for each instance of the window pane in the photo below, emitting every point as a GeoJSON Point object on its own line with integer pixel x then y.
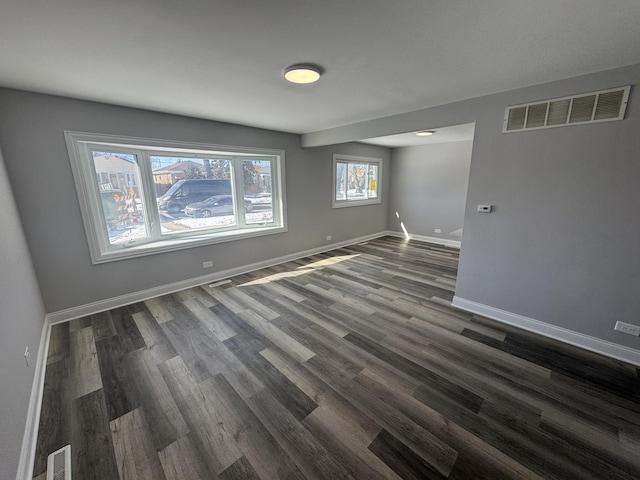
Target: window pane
{"type": "Point", "coordinates": [358, 181]}
{"type": "Point", "coordinates": [193, 193]}
{"type": "Point", "coordinates": [372, 191]}
{"type": "Point", "coordinates": [159, 196]}
{"type": "Point", "coordinates": [258, 189]}
{"type": "Point", "coordinates": [118, 180]}
{"type": "Point", "coordinates": [341, 181]}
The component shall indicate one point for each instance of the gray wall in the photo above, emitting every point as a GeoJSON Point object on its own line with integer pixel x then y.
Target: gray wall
{"type": "Point", "coordinates": [21, 322]}
{"type": "Point", "coordinates": [31, 133]}
{"type": "Point", "coordinates": [429, 189]}
{"type": "Point", "coordinates": [562, 246]}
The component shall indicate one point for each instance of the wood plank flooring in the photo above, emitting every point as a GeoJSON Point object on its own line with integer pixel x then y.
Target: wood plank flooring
{"type": "Point", "coordinates": [348, 364]}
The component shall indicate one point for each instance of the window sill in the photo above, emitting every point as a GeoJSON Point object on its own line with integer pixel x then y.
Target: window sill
{"type": "Point", "coordinates": [355, 203]}
{"type": "Point", "coordinates": [163, 246]}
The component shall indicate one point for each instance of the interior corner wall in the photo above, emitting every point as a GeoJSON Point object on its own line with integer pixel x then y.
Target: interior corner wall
{"type": "Point", "coordinates": [21, 324]}
{"type": "Point", "coordinates": [32, 136]}
{"type": "Point", "coordinates": [429, 189]}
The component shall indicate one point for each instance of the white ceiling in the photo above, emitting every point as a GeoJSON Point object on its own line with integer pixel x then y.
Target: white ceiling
{"type": "Point", "coordinates": [455, 133]}
{"type": "Point", "coordinates": [224, 59]}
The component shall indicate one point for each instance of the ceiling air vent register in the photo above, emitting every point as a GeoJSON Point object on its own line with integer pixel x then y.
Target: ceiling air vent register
{"type": "Point", "coordinates": [602, 106]}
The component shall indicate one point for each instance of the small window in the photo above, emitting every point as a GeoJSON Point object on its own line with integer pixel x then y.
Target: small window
{"type": "Point", "coordinates": [356, 180]}
{"type": "Point", "coordinates": [140, 196]}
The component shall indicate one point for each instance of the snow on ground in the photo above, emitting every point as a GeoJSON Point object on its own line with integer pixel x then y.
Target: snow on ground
{"type": "Point", "coordinates": [222, 220]}
{"type": "Point", "coordinates": [128, 233]}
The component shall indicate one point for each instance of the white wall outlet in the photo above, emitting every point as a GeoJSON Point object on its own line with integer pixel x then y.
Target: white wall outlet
{"type": "Point", "coordinates": [627, 328]}
{"type": "Point", "coordinates": [208, 264]}
{"type": "Point", "coordinates": [27, 355]}
{"type": "Point", "coordinates": [485, 208]}
{"type": "Point", "coordinates": [438, 230]}
{"type": "Point", "coordinates": [328, 237]}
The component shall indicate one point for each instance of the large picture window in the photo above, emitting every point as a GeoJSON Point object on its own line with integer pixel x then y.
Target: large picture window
{"type": "Point", "coordinates": [356, 180]}
{"type": "Point", "coordinates": [141, 196]}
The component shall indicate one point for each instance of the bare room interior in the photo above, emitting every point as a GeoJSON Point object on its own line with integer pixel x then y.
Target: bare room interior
{"type": "Point", "coordinates": [261, 240]}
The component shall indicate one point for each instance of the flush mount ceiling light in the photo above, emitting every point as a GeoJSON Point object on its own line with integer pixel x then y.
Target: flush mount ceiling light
{"type": "Point", "coordinates": [425, 133]}
{"type": "Point", "coordinates": [302, 73]}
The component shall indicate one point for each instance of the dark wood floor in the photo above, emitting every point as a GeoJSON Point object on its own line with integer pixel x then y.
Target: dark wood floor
{"type": "Point", "coordinates": [348, 364]}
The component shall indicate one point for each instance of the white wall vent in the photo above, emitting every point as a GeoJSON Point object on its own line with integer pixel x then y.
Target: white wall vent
{"type": "Point", "coordinates": [602, 106]}
{"type": "Point", "coordinates": [59, 464]}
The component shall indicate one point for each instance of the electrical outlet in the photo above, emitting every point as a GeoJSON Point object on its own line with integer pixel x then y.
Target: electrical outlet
{"type": "Point", "coordinates": [438, 230]}
{"type": "Point", "coordinates": [208, 264]}
{"type": "Point", "coordinates": [328, 237]}
{"type": "Point", "coordinates": [627, 328]}
{"type": "Point", "coordinates": [27, 355]}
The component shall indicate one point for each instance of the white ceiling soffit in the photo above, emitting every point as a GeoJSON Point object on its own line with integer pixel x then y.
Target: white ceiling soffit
{"type": "Point", "coordinates": [224, 60]}
{"type": "Point", "coordinates": [456, 133]}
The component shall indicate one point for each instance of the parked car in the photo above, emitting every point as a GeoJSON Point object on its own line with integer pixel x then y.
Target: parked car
{"type": "Point", "coordinates": [216, 205]}
{"type": "Point", "coordinates": [185, 192]}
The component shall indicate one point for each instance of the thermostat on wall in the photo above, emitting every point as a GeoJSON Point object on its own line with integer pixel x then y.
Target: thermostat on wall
{"type": "Point", "coordinates": [485, 208]}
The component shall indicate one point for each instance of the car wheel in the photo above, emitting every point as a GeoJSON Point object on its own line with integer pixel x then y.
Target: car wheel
{"type": "Point", "coordinates": [205, 213]}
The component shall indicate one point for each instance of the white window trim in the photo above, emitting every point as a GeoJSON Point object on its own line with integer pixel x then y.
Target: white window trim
{"type": "Point", "coordinates": [339, 158]}
{"type": "Point", "coordinates": [91, 210]}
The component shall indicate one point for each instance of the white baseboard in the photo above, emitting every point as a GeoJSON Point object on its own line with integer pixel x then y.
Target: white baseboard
{"type": "Point", "coordinates": [129, 298]}
{"type": "Point", "coordinates": [422, 238]}
{"type": "Point", "coordinates": [28, 451]}
{"type": "Point", "coordinates": [593, 344]}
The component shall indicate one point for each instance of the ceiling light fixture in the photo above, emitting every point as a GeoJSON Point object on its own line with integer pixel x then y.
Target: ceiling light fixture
{"type": "Point", "coordinates": [302, 73]}
{"type": "Point", "coordinates": [425, 133]}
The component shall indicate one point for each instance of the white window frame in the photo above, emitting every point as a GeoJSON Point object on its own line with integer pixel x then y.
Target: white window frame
{"type": "Point", "coordinates": [79, 145]}
{"type": "Point", "coordinates": [339, 158]}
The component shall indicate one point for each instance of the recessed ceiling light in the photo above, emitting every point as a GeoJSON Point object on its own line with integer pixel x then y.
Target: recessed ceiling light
{"type": "Point", "coordinates": [425, 133]}
{"type": "Point", "coordinates": [302, 73]}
